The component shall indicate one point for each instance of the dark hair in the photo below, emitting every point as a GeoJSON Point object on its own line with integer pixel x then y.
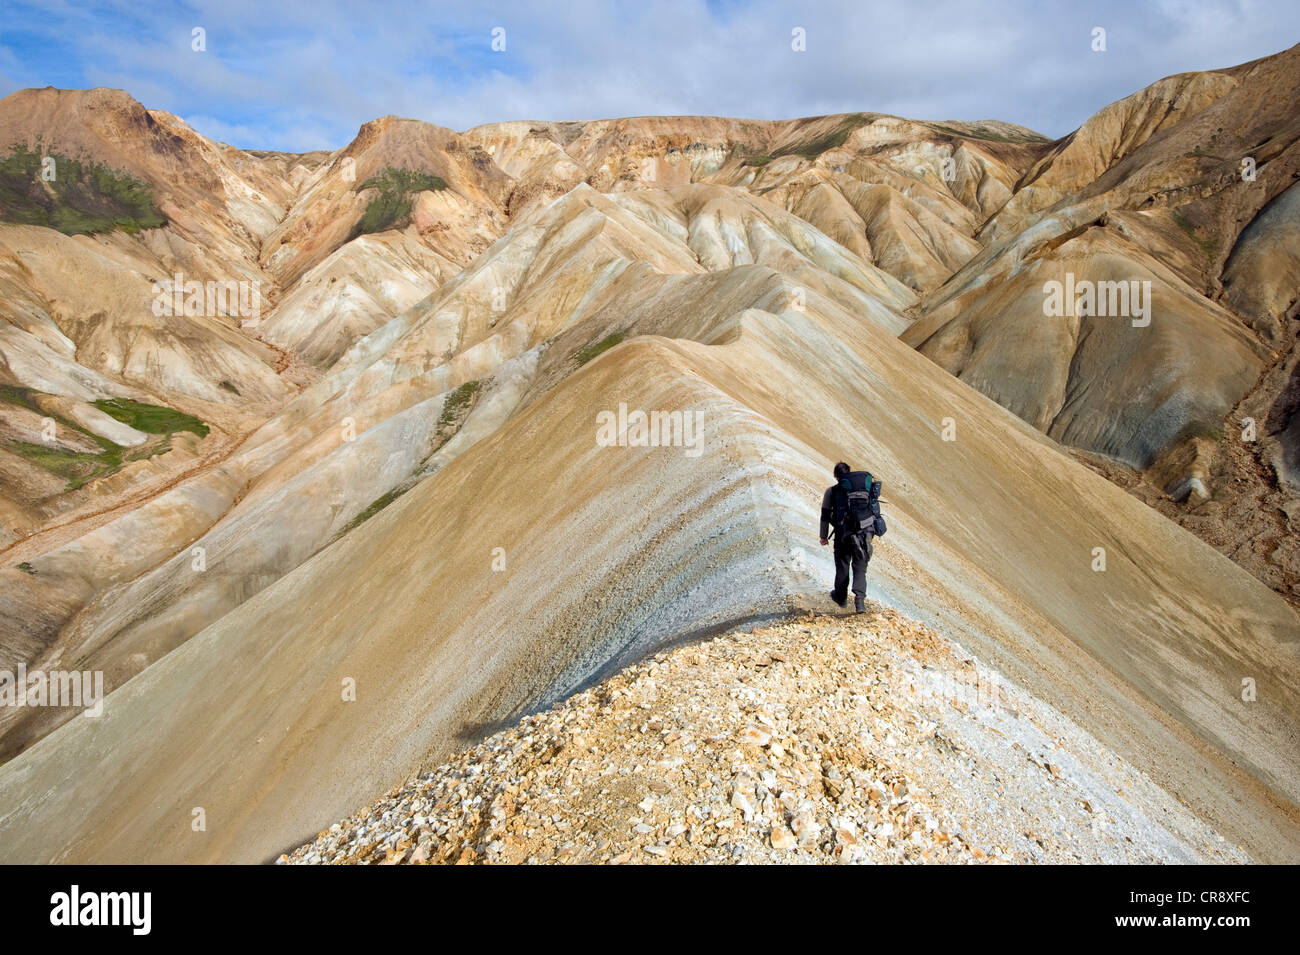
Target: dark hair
{"type": "Point", "coordinates": [841, 469]}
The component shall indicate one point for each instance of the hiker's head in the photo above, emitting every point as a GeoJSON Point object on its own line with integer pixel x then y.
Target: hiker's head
{"type": "Point", "coordinates": [841, 469]}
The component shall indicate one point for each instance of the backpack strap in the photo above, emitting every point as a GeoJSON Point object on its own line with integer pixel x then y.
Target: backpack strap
{"type": "Point", "coordinates": [839, 503]}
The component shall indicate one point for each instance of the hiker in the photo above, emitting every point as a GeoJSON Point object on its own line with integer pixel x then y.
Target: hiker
{"type": "Point", "coordinates": [851, 511]}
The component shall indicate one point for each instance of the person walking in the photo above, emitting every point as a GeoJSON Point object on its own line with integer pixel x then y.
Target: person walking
{"type": "Point", "coordinates": [851, 512]}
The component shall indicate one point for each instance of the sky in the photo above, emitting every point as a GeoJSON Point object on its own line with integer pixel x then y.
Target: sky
{"type": "Point", "coordinates": [305, 74]}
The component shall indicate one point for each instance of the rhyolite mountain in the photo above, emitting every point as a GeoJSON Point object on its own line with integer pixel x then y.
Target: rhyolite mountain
{"type": "Point", "coordinates": [389, 475]}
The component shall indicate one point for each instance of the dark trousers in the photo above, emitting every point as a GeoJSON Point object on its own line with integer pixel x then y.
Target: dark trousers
{"type": "Point", "coordinates": [852, 552]}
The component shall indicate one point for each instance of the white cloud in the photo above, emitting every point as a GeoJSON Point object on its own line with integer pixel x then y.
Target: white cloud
{"type": "Point", "coordinates": [320, 68]}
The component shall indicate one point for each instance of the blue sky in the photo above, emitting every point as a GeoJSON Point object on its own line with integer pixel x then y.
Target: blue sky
{"type": "Point", "coordinates": [304, 75]}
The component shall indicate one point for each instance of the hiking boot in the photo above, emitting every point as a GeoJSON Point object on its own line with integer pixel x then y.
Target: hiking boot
{"type": "Point", "coordinates": [859, 604]}
{"type": "Point", "coordinates": [839, 601]}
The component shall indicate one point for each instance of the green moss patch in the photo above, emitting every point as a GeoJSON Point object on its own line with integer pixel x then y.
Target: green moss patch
{"type": "Point", "coordinates": [457, 405]}
{"type": "Point", "coordinates": [375, 506]}
{"type": "Point", "coordinates": [151, 419]}
{"type": "Point", "coordinates": [587, 353]}
{"type": "Point", "coordinates": [17, 395]}
{"type": "Point", "coordinates": [83, 198]}
{"type": "Point", "coordinates": [834, 139]}
{"type": "Point", "coordinates": [980, 131]}
{"type": "Point", "coordinates": [391, 209]}
{"type": "Point", "coordinates": [80, 467]}
{"type": "Point", "coordinates": [75, 467]}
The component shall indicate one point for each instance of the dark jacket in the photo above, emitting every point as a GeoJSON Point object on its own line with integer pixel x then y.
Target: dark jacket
{"type": "Point", "coordinates": [828, 505]}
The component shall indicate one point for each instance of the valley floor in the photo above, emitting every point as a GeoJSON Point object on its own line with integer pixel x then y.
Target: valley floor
{"type": "Point", "coordinates": [870, 739]}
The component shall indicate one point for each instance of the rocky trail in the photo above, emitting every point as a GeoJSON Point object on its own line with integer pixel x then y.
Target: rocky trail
{"type": "Point", "coordinates": [870, 739]}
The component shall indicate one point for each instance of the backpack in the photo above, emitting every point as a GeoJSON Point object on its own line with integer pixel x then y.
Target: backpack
{"type": "Point", "coordinates": [856, 504]}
